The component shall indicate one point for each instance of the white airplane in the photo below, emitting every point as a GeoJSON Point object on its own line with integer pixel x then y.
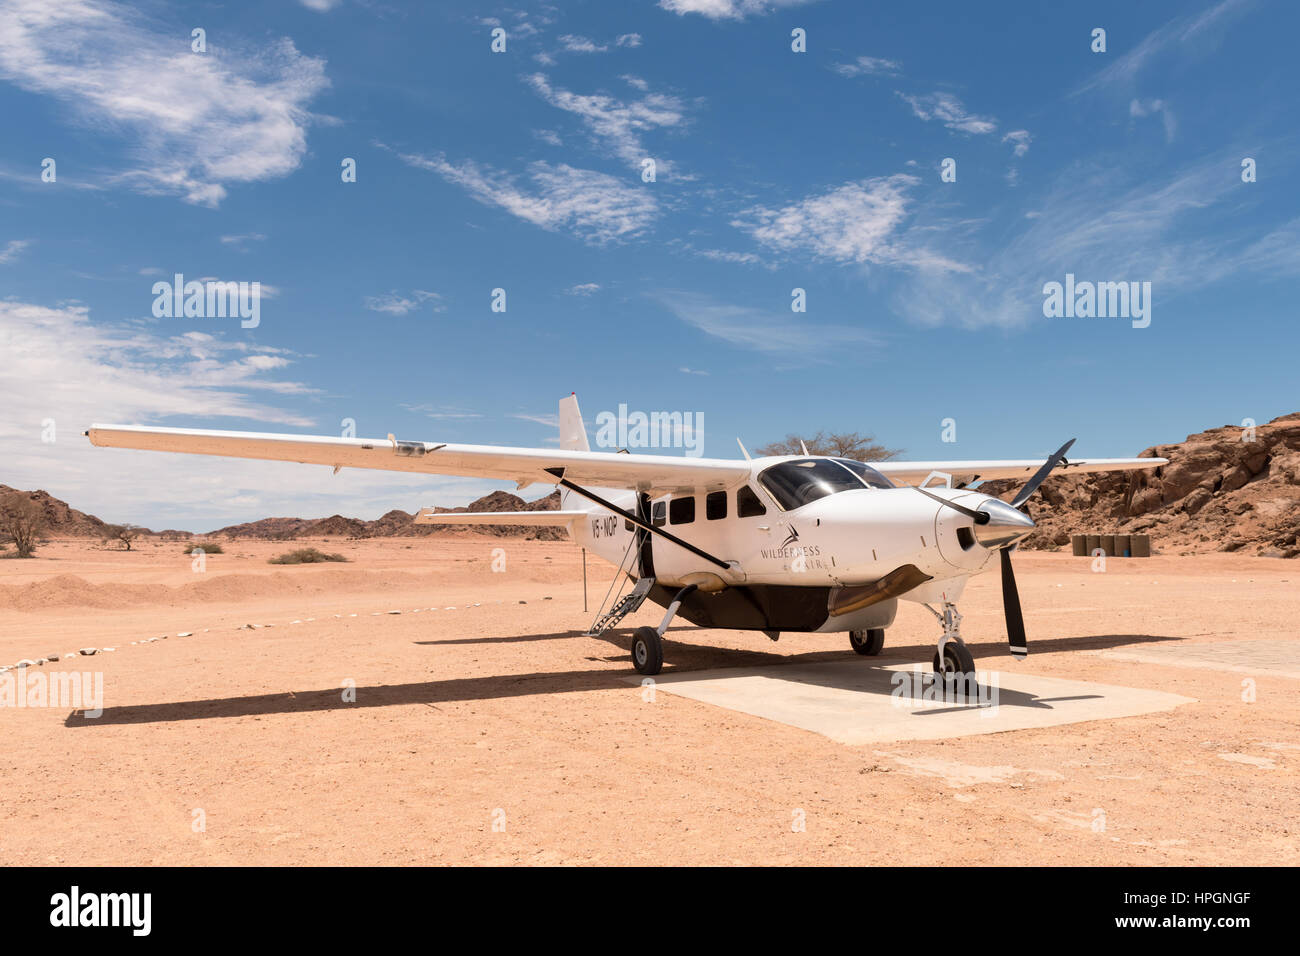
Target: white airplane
{"type": "Point", "coordinates": [802, 543]}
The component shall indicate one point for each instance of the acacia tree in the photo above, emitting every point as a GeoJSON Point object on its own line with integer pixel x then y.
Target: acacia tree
{"type": "Point", "coordinates": [853, 445]}
{"type": "Point", "coordinates": [125, 533]}
{"type": "Point", "coordinates": [21, 521]}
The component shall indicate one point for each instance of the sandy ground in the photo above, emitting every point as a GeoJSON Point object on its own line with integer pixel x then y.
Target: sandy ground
{"type": "Point", "coordinates": [236, 746]}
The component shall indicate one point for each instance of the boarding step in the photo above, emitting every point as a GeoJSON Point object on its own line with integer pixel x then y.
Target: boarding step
{"type": "Point", "coordinates": [628, 603]}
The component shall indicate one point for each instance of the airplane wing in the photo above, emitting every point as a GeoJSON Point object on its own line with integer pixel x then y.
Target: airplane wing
{"type": "Point", "coordinates": [530, 518]}
{"type": "Point", "coordinates": [655, 474]}
{"type": "Point", "coordinates": [964, 472]}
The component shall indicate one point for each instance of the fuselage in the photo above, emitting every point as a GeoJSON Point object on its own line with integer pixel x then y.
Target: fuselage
{"type": "Point", "coordinates": [820, 529]}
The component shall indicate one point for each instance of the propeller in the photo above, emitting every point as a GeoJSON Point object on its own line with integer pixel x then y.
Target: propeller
{"type": "Point", "coordinates": [1002, 535]}
{"type": "Point", "coordinates": [1032, 484]}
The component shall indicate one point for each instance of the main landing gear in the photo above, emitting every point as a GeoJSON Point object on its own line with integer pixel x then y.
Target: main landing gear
{"type": "Point", "coordinates": [648, 642]}
{"type": "Point", "coordinates": [868, 642]}
{"type": "Point", "coordinates": [952, 659]}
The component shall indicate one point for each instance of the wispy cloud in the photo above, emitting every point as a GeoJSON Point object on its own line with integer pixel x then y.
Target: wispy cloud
{"type": "Point", "coordinates": [858, 222]}
{"type": "Point", "coordinates": [241, 242]}
{"type": "Point", "coordinates": [400, 304]}
{"type": "Point", "coordinates": [580, 44]}
{"type": "Point", "coordinates": [196, 121]}
{"type": "Point", "coordinates": [772, 332]}
{"type": "Point", "coordinates": [617, 124]}
{"type": "Point", "coordinates": [1169, 232]}
{"type": "Point", "coordinates": [583, 289]}
{"type": "Point", "coordinates": [727, 9]}
{"type": "Point", "coordinates": [550, 420]}
{"type": "Point", "coordinates": [447, 412]}
{"type": "Point", "coordinates": [1186, 34]}
{"type": "Point", "coordinates": [12, 249]}
{"type": "Point", "coordinates": [949, 110]}
{"type": "Point", "coordinates": [593, 206]}
{"type": "Point", "coordinates": [1140, 109]}
{"type": "Point", "coordinates": [868, 66]}
{"type": "Point", "coordinates": [1020, 140]}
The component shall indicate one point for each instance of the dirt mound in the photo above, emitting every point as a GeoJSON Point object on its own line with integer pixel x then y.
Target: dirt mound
{"type": "Point", "coordinates": [1226, 489]}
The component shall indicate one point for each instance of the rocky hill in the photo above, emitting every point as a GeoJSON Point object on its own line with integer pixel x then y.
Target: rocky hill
{"type": "Point", "coordinates": [1223, 490]}
{"type": "Point", "coordinates": [60, 520]}
{"type": "Point", "coordinates": [399, 524]}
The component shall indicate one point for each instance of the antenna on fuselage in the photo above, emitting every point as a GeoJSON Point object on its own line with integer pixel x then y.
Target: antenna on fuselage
{"type": "Point", "coordinates": [804, 447]}
{"type": "Point", "coordinates": [742, 449]}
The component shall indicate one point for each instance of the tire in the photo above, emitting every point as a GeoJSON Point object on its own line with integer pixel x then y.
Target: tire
{"type": "Point", "coordinates": [647, 651]}
{"type": "Point", "coordinates": [868, 642]}
{"type": "Point", "coordinates": [959, 664]}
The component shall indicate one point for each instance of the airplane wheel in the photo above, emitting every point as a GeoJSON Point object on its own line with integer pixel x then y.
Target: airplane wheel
{"type": "Point", "coordinates": [868, 642]}
{"type": "Point", "coordinates": [957, 663]}
{"type": "Point", "coordinates": [647, 651]}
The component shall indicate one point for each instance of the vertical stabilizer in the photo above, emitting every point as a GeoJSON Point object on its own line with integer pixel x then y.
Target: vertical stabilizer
{"type": "Point", "coordinates": [573, 433]}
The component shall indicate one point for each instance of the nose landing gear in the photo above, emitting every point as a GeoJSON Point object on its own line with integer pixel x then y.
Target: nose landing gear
{"type": "Point", "coordinates": [953, 660]}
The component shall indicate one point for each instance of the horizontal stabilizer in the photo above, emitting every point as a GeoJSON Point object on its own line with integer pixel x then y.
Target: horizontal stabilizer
{"type": "Point", "coordinates": [534, 518]}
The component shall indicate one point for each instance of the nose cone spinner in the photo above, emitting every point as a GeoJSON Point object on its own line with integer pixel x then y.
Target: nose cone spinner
{"type": "Point", "coordinates": [1006, 525]}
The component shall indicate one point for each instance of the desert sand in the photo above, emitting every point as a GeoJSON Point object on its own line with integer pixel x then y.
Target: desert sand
{"type": "Point", "coordinates": [481, 703]}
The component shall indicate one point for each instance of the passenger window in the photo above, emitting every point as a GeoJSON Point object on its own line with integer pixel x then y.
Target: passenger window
{"type": "Point", "coordinates": [657, 514]}
{"type": "Point", "coordinates": [715, 505]}
{"type": "Point", "coordinates": [681, 510]}
{"type": "Point", "coordinates": [747, 503]}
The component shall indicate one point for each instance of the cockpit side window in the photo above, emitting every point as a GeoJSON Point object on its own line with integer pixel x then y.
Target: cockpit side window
{"type": "Point", "coordinates": [869, 475]}
{"type": "Point", "coordinates": [797, 483]}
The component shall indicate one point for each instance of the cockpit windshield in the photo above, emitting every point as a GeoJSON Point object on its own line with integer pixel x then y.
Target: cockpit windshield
{"type": "Point", "coordinates": [796, 483]}
{"type": "Point", "coordinates": [869, 475]}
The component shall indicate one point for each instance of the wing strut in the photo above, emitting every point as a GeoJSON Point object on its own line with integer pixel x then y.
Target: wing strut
{"type": "Point", "coordinates": [639, 522]}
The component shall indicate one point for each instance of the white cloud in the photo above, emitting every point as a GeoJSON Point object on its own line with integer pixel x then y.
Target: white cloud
{"type": "Point", "coordinates": [635, 82]}
{"type": "Point", "coordinates": [195, 122]}
{"type": "Point", "coordinates": [949, 110]}
{"type": "Point", "coordinates": [395, 304]}
{"type": "Point", "coordinates": [691, 371]}
{"type": "Point", "coordinates": [12, 249]}
{"type": "Point", "coordinates": [629, 40]}
{"type": "Point", "coordinates": [548, 136]}
{"type": "Point", "coordinates": [868, 66]}
{"type": "Point", "coordinates": [858, 222]}
{"type": "Point", "coordinates": [583, 289]}
{"type": "Point", "coordinates": [320, 6]}
{"type": "Point", "coordinates": [727, 9]}
{"type": "Point", "coordinates": [1020, 140]}
{"type": "Point", "coordinates": [617, 124]}
{"type": "Point", "coordinates": [593, 206]}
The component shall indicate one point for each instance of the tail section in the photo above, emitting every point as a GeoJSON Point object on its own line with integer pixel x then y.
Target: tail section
{"type": "Point", "coordinates": [573, 433]}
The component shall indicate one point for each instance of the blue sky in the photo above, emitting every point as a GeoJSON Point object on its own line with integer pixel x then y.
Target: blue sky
{"type": "Point", "coordinates": [522, 170]}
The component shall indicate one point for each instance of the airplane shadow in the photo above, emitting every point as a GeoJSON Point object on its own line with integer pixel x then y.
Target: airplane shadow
{"type": "Point", "coordinates": [683, 658]}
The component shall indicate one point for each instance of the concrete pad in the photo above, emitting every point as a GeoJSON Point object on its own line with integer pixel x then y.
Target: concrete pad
{"type": "Point", "coordinates": [1278, 658]}
{"type": "Point", "coordinates": [855, 703]}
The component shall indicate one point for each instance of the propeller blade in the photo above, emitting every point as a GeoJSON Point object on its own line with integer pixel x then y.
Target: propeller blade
{"type": "Point", "coordinates": [1011, 608]}
{"type": "Point", "coordinates": [979, 517]}
{"type": "Point", "coordinates": [1032, 484]}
